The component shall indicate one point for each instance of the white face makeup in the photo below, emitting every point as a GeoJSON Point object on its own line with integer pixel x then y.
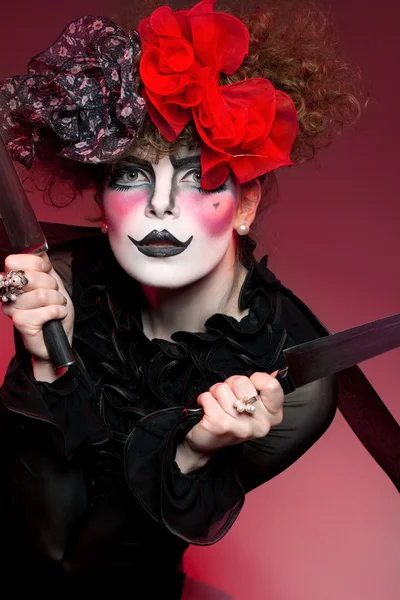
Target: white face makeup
{"type": "Point", "coordinates": [164, 229]}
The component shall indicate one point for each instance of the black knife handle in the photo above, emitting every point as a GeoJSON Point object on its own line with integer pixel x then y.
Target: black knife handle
{"type": "Point", "coordinates": [286, 381]}
{"type": "Point", "coordinates": [57, 344]}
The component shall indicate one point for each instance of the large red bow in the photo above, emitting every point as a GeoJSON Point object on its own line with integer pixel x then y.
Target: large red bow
{"type": "Point", "coordinates": [248, 127]}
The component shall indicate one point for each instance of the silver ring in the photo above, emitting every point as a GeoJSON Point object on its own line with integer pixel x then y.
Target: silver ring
{"type": "Point", "coordinates": [12, 285]}
{"type": "Point", "coordinates": [246, 404]}
{"type": "Point", "coordinates": [254, 399]}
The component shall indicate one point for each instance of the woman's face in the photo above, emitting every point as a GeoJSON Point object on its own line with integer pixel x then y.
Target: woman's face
{"type": "Point", "coordinates": [164, 229]}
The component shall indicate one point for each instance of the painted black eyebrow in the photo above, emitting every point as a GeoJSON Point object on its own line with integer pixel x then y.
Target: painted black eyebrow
{"type": "Point", "coordinates": [132, 160]}
{"type": "Point", "coordinates": [178, 163]}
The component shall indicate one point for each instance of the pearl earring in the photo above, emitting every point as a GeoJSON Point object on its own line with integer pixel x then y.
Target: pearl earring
{"type": "Point", "coordinates": [104, 228]}
{"type": "Point", "coordinates": [243, 229]}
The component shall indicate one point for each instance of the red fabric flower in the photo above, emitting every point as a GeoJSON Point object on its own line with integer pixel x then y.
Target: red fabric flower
{"type": "Point", "coordinates": [248, 127]}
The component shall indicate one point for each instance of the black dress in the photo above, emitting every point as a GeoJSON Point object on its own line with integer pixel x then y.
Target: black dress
{"type": "Point", "coordinates": [90, 491]}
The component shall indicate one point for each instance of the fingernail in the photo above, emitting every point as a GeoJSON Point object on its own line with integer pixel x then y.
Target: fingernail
{"type": "Point", "coordinates": [275, 373]}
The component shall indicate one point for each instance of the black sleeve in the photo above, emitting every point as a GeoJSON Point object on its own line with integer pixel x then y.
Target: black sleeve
{"type": "Point", "coordinates": [307, 412]}
{"type": "Point", "coordinates": [43, 496]}
{"type": "Point", "coordinates": [42, 428]}
{"type": "Point", "coordinates": [201, 506]}
{"type": "Point", "coordinates": [66, 405]}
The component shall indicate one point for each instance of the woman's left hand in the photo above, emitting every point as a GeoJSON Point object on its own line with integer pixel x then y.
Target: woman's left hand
{"type": "Point", "coordinates": [222, 425]}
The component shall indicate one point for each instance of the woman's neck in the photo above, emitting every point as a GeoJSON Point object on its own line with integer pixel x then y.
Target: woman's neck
{"type": "Point", "coordinates": [188, 308]}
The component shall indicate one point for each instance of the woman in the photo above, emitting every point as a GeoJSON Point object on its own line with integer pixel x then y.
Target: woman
{"type": "Point", "coordinates": [109, 468]}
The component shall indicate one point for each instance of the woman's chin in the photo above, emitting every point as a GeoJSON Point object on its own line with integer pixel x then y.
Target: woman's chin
{"type": "Point", "coordinates": [165, 281]}
{"type": "Point", "coordinates": [163, 276]}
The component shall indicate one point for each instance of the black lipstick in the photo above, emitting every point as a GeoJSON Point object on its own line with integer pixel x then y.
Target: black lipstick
{"type": "Point", "coordinates": [160, 244]}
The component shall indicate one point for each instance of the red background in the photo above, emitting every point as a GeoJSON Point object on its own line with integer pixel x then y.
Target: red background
{"type": "Point", "coordinates": [329, 527]}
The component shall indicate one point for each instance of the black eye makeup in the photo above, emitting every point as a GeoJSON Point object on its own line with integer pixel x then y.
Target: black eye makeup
{"type": "Point", "coordinates": [125, 178]}
{"type": "Point", "coordinates": [194, 177]}
{"type": "Point", "coordinates": [129, 175]}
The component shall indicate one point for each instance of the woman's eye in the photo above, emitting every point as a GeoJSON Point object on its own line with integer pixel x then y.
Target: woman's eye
{"type": "Point", "coordinates": [129, 177]}
{"type": "Point", "coordinates": [193, 176]}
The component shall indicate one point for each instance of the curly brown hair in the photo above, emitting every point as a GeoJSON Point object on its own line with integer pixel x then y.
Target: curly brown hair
{"type": "Point", "coordinates": [294, 45]}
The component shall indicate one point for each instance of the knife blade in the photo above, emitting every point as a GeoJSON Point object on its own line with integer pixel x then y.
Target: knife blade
{"type": "Point", "coordinates": [26, 236]}
{"type": "Point", "coordinates": [20, 222]}
{"type": "Point", "coordinates": [335, 352]}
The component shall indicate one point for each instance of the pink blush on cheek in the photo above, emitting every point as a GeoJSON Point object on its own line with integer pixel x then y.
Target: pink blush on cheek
{"type": "Point", "coordinates": [217, 212]}
{"type": "Point", "coordinates": [120, 205]}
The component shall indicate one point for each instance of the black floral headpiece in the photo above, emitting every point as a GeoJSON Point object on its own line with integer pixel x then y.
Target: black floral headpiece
{"type": "Point", "coordinates": [82, 89]}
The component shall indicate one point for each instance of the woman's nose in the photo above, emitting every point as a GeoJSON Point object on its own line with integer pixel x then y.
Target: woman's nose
{"type": "Point", "coordinates": [162, 205]}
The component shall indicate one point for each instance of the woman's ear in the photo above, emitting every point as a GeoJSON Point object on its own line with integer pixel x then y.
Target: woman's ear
{"type": "Point", "coordinates": [250, 196]}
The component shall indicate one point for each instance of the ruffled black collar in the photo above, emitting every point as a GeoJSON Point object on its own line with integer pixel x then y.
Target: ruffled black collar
{"type": "Point", "coordinates": [134, 375]}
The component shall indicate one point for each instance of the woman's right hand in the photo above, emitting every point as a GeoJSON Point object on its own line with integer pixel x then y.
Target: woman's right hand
{"type": "Point", "coordinates": [44, 299]}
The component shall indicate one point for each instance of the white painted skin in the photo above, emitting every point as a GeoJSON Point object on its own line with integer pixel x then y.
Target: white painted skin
{"type": "Point", "coordinates": [161, 197]}
{"type": "Point", "coordinates": [143, 197]}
